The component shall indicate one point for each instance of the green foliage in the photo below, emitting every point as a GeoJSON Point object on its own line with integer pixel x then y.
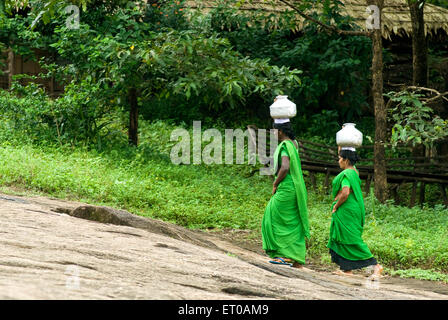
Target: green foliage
{"type": "Point", "coordinates": [84, 114]}
{"type": "Point", "coordinates": [78, 117]}
{"type": "Point", "coordinates": [408, 238]}
{"type": "Point", "coordinates": [314, 126]}
{"type": "Point", "coordinates": [442, 3]}
{"type": "Point", "coordinates": [422, 274]}
{"type": "Point", "coordinates": [182, 71]}
{"type": "Point", "coordinates": [2, 8]}
{"type": "Point", "coordinates": [14, 33]}
{"type": "Point", "coordinates": [168, 65]}
{"type": "Point", "coordinates": [413, 121]}
{"type": "Point", "coordinates": [336, 71]}
{"type": "Point", "coordinates": [187, 66]}
{"type": "Point", "coordinates": [162, 14]}
{"type": "Point", "coordinates": [43, 9]}
{"type": "Point", "coordinates": [25, 118]}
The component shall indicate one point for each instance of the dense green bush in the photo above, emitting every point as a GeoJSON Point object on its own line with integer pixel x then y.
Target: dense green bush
{"type": "Point", "coordinates": [78, 117]}
{"type": "Point", "coordinates": [27, 115]}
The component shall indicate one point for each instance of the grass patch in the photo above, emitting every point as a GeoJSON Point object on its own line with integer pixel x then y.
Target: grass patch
{"type": "Point", "coordinates": [421, 274]}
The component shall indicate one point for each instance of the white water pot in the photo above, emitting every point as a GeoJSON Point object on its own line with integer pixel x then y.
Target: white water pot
{"type": "Point", "coordinates": [349, 136]}
{"type": "Point", "coordinates": [283, 108]}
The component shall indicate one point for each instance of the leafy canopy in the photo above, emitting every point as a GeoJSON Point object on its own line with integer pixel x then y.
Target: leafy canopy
{"type": "Point", "coordinates": [414, 122]}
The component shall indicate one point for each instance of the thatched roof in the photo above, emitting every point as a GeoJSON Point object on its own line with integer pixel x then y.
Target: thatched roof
{"type": "Point", "coordinates": [396, 17]}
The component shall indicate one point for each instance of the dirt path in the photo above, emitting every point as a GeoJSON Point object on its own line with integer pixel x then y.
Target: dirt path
{"type": "Point", "coordinates": [48, 253]}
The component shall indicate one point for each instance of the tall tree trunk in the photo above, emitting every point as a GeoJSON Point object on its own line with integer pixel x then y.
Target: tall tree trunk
{"type": "Point", "coordinates": [11, 64]}
{"type": "Point", "coordinates": [419, 59]}
{"type": "Point", "coordinates": [379, 166]}
{"type": "Point", "coordinates": [419, 44]}
{"type": "Point", "coordinates": [380, 174]}
{"type": "Point", "coordinates": [133, 117]}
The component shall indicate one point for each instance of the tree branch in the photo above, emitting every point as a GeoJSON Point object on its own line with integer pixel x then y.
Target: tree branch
{"type": "Point", "coordinates": [437, 93]}
{"type": "Point", "coordinates": [328, 27]}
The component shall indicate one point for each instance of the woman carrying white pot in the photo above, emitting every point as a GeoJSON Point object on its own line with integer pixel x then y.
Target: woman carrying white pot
{"type": "Point", "coordinates": [285, 221]}
{"type": "Point", "coordinates": [347, 248]}
{"type": "Point", "coordinates": [285, 225]}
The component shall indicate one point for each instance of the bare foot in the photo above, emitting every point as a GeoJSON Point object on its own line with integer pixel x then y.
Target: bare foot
{"type": "Point", "coordinates": [300, 266]}
{"type": "Point", "coordinates": [343, 273]}
{"type": "Point", "coordinates": [377, 270]}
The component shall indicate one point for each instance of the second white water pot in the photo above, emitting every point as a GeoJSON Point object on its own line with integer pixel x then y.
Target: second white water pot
{"type": "Point", "coordinates": [349, 136]}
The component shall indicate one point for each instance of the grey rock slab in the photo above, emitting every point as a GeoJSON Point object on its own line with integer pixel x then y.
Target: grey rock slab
{"type": "Point", "coordinates": [53, 249]}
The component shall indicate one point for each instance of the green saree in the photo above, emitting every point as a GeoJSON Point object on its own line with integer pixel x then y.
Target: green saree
{"type": "Point", "coordinates": [285, 221]}
{"type": "Point", "coordinates": [347, 225]}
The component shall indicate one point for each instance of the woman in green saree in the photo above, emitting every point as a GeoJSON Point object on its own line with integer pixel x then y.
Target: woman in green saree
{"type": "Point", "coordinates": [347, 249]}
{"type": "Point", "coordinates": [285, 222]}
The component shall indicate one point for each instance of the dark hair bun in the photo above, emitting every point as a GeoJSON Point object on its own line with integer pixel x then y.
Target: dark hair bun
{"type": "Point", "coordinates": [352, 156]}
{"type": "Point", "coordinates": [286, 128]}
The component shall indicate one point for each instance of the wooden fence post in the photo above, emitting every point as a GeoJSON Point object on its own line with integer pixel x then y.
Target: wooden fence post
{"type": "Point", "coordinates": [442, 190]}
{"type": "Point", "coordinates": [313, 180]}
{"type": "Point", "coordinates": [394, 193]}
{"type": "Point", "coordinates": [422, 193]}
{"type": "Point", "coordinates": [413, 194]}
{"type": "Point", "coordinates": [368, 182]}
{"type": "Point", "coordinates": [327, 181]}
{"type": "Point", "coordinates": [11, 63]}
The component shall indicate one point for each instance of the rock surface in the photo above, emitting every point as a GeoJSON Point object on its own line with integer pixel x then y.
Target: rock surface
{"type": "Point", "coordinates": [51, 249]}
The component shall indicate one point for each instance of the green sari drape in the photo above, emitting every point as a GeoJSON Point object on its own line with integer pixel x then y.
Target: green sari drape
{"type": "Point", "coordinates": [347, 223]}
{"type": "Point", "coordinates": [285, 222]}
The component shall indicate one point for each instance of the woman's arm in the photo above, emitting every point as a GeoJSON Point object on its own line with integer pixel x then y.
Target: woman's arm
{"type": "Point", "coordinates": [281, 173]}
{"type": "Point", "coordinates": [342, 197]}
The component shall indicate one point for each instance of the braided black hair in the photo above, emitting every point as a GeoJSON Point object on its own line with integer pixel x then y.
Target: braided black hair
{"type": "Point", "coordinates": [352, 156]}
{"type": "Point", "coordinates": [286, 128]}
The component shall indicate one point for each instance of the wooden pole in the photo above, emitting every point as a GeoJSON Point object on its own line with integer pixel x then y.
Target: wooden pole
{"type": "Point", "coordinates": [394, 193]}
{"type": "Point", "coordinates": [368, 182]}
{"type": "Point", "coordinates": [422, 193]}
{"type": "Point", "coordinates": [380, 174]}
{"type": "Point", "coordinates": [419, 44]}
{"type": "Point", "coordinates": [413, 194]}
{"type": "Point", "coordinates": [443, 192]}
{"type": "Point", "coordinates": [327, 181]}
{"type": "Point", "coordinates": [11, 71]}
{"type": "Point", "coordinates": [133, 117]}
{"type": "Point", "coordinates": [313, 180]}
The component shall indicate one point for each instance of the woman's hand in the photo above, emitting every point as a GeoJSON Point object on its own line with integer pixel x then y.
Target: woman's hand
{"type": "Point", "coordinates": [282, 172]}
{"type": "Point", "coordinates": [341, 198]}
